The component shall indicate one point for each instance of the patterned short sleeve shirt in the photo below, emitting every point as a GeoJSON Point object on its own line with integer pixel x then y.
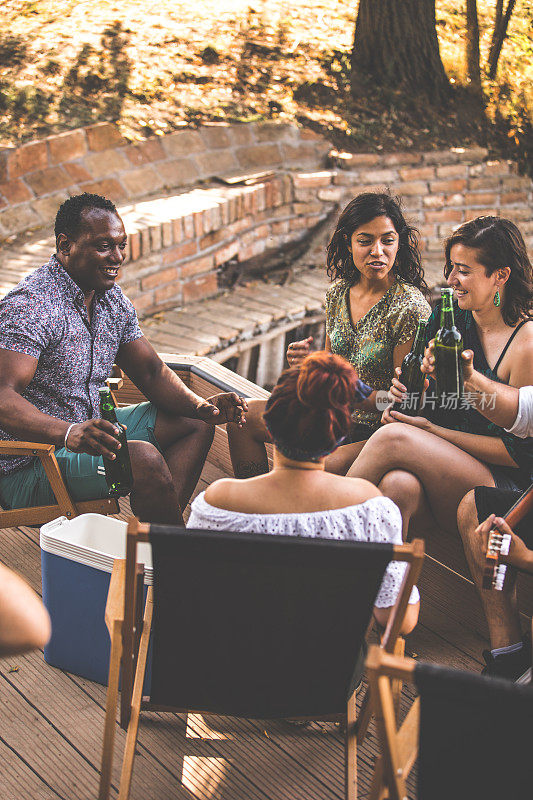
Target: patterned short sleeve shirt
{"type": "Point", "coordinates": [369, 344]}
{"type": "Point", "coordinates": [45, 317]}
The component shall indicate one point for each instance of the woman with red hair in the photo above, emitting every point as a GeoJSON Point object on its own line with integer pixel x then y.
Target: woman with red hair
{"type": "Point", "coordinates": [308, 416]}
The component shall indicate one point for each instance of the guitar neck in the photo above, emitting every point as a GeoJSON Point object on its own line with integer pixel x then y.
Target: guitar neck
{"type": "Point", "coordinates": [521, 508]}
{"type": "Point", "coordinates": [494, 573]}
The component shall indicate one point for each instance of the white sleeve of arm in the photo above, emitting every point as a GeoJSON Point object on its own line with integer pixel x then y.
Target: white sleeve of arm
{"type": "Point", "coordinates": [523, 424]}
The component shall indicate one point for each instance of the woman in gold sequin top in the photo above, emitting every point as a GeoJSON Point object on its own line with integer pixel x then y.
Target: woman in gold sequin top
{"type": "Point", "coordinates": [372, 311]}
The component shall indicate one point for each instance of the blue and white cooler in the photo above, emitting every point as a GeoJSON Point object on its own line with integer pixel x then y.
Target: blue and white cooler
{"type": "Point", "coordinates": [77, 560]}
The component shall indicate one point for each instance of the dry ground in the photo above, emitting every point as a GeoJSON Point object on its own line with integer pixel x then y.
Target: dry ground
{"type": "Point", "coordinates": [157, 65]}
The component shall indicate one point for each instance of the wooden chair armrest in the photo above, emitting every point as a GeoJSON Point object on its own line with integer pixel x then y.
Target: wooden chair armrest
{"type": "Point", "coordinates": [114, 610]}
{"type": "Point", "coordinates": [415, 558]}
{"type": "Point", "coordinates": [25, 448]}
{"type": "Point", "coordinates": [408, 738]}
{"type": "Point", "coordinates": [116, 380]}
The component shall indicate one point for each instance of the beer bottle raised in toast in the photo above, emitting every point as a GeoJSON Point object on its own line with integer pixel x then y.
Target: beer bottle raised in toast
{"type": "Point", "coordinates": [448, 349]}
{"type": "Point", "coordinates": [411, 375]}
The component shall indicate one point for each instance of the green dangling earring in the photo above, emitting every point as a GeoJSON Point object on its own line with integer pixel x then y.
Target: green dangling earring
{"type": "Point", "coordinates": [497, 301]}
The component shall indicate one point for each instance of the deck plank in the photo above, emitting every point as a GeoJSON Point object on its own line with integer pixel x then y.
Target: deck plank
{"type": "Point", "coordinates": [190, 319]}
{"type": "Point", "coordinates": [203, 758]}
{"type": "Point", "coordinates": [79, 720]}
{"type": "Point", "coordinates": [16, 776]}
{"type": "Point", "coordinates": [20, 551]}
{"type": "Point", "coordinates": [27, 730]}
{"type": "Point", "coordinates": [259, 761]}
{"type": "Point", "coordinates": [208, 767]}
{"type": "Point", "coordinates": [224, 757]}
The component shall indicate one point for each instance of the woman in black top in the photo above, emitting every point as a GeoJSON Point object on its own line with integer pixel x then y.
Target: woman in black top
{"type": "Point", "coordinates": [432, 462]}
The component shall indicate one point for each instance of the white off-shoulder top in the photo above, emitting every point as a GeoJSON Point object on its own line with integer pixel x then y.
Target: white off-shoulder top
{"type": "Point", "coordinates": [375, 520]}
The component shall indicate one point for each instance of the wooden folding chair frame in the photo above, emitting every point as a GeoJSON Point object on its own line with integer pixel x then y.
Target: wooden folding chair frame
{"type": "Point", "coordinates": [38, 515]}
{"type": "Point", "coordinates": [129, 630]}
{"type": "Point", "coordinates": [399, 746]}
{"type": "Point", "coordinates": [391, 641]}
{"type": "Point", "coordinates": [65, 506]}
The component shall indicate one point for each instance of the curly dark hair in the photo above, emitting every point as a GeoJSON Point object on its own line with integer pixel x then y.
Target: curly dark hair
{"type": "Point", "coordinates": [499, 243]}
{"type": "Point", "coordinates": [68, 217]}
{"type": "Point", "coordinates": [362, 209]}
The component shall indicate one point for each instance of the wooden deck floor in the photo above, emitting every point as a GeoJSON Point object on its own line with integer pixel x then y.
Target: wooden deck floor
{"type": "Point", "coordinates": [52, 721]}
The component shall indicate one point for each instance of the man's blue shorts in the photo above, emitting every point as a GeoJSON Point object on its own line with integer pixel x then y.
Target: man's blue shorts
{"type": "Point", "coordinates": [29, 486]}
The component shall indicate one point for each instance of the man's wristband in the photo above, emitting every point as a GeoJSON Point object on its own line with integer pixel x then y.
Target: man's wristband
{"type": "Point", "coordinates": [66, 437]}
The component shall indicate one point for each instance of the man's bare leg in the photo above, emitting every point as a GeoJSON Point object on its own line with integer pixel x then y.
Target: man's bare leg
{"type": "Point", "coordinates": [153, 497]}
{"type": "Point", "coordinates": [185, 444]}
{"type": "Point", "coordinates": [501, 608]}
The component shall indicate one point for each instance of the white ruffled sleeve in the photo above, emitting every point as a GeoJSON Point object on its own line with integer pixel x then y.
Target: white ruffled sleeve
{"type": "Point", "coordinates": [200, 516]}
{"type": "Point", "coordinates": [385, 525]}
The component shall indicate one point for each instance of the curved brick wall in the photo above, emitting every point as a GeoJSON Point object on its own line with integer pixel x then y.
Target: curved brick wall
{"type": "Point", "coordinates": [178, 261]}
{"type": "Point", "coordinates": [178, 246]}
{"type": "Point", "coordinates": [36, 177]}
{"type": "Point", "coordinates": [180, 240]}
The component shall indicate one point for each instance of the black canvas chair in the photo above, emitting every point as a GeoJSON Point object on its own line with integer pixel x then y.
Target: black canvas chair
{"type": "Point", "coordinates": [244, 625]}
{"type": "Point", "coordinates": [472, 734]}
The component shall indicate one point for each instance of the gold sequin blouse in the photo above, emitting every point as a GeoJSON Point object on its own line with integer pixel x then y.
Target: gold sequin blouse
{"type": "Point", "coordinates": [369, 344]}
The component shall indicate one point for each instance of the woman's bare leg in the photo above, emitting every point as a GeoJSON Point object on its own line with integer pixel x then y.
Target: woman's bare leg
{"type": "Point", "coordinates": [445, 472]}
{"type": "Point", "coordinates": [501, 608]}
{"type": "Point", "coordinates": [247, 444]}
{"type": "Point", "coordinates": [342, 459]}
{"type": "Point", "coordinates": [408, 494]}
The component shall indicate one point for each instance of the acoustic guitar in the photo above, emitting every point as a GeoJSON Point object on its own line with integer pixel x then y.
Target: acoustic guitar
{"type": "Point", "coordinates": [499, 543]}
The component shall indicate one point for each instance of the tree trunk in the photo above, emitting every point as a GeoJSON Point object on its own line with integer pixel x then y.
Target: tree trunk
{"type": "Point", "coordinates": [498, 19]}
{"type": "Point", "coordinates": [472, 46]}
{"type": "Point", "coordinates": [396, 43]}
{"type": "Point", "coordinates": [500, 35]}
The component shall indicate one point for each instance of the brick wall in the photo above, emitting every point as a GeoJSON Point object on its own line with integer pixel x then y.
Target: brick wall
{"type": "Point", "coordinates": [179, 241]}
{"type": "Point", "coordinates": [176, 261]}
{"type": "Point", "coordinates": [177, 246]}
{"type": "Point", "coordinates": [439, 190]}
{"type": "Point", "coordinates": [36, 177]}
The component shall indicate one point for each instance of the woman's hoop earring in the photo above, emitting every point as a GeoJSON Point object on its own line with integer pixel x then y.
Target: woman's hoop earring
{"type": "Point", "coordinates": [497, 300]}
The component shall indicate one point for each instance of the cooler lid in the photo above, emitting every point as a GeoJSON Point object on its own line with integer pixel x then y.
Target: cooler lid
{"type": "Point", "coordinates": [94, 540]}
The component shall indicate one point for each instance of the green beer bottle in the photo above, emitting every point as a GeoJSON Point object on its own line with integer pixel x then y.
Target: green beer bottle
{"type": "Point", "coordinates": [448, 349]}
{"type": "Point", "coordinates": [118, 470]}
{"type": "Point", "coordinates": [411, 376]}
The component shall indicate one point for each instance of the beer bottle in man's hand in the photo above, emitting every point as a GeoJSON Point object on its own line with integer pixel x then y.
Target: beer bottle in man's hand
{"type": "Point", "coordinates": [118, 473]}
{"type": "Point", "coordinates": [448, 349]}
{"type": "Point", "coordinates": [411, 375]}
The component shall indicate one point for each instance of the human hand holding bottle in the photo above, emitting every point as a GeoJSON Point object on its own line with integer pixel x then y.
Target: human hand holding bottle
{"type": "Point", "coordinates": [96, 437]}
{"type": "Point", "coordinates": [397, 394]}
{"type": "Point", "coordinates": [428, 363]}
